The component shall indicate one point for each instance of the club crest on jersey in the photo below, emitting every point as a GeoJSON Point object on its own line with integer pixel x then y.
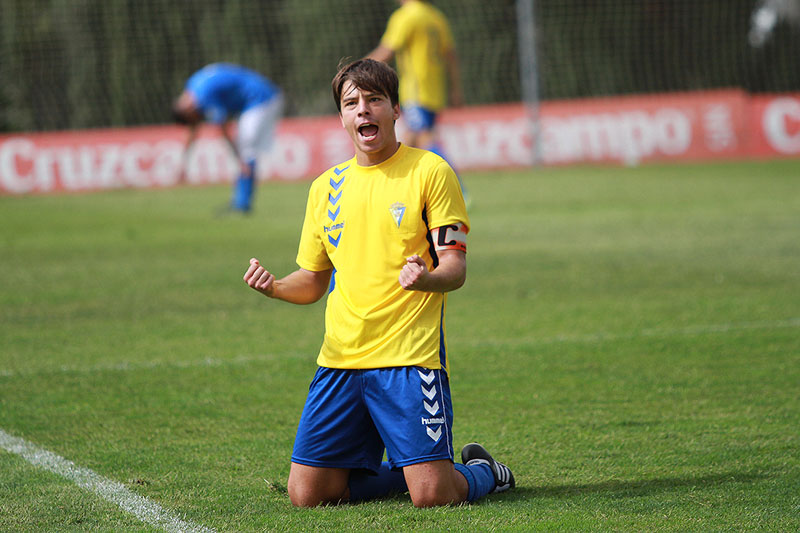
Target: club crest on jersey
{"type": "Point", "coordinates": [397, 209]}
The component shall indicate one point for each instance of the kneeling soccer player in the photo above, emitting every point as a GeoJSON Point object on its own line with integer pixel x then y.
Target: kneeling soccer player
{"type": "Point", "coordinates": [385, 236]}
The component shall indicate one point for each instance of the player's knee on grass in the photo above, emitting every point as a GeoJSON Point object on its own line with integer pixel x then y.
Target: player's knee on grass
{"type": "Point", "coordinates": [433, 495]}
{"type": "Point", "coordinates": [434, 484]}
{"type": "Point", "coordinates": [310, 487]}
{"type": "Point", "coordinates": [309, 496]}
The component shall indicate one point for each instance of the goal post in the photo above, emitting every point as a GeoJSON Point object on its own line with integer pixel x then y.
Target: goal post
{"type": "Point", "coordinates": [529, 72]}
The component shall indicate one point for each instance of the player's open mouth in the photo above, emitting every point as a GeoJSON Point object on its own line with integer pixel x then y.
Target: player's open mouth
{"type": "Point", "coordinates": [368, 131]}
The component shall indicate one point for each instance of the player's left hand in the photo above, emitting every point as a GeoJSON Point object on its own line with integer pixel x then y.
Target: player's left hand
{"type": "Point", "coordinates": [259, 278]}
{"type": "Point", "coordinates": [414, 274]}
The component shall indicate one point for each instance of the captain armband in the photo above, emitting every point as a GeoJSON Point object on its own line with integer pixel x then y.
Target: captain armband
{"type": "Point", "coordinates": [450, 237]}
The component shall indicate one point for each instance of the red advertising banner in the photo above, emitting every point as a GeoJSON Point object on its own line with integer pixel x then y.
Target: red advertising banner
{"type": "Point", "coordinates": [775, 125]}
{"type": "Point", "coordinates": [153, 157]}
{"type": "Point", "coordinates": [686, 126]}
{"type": "Point", "coordinates": [708, 125]}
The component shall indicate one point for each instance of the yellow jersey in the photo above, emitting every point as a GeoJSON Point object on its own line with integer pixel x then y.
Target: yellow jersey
{"type": "Point", "coordinates": [364, 222]}
{"type": "Point", "coordinates": [420, 37]}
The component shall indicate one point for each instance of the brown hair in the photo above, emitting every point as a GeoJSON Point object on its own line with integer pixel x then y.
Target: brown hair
{"type": "Point", "coordinates": [368, 75]}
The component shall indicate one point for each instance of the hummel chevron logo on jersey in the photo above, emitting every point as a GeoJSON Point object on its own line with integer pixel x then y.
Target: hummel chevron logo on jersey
{"type": "Point", "coordinates": [429, 394]}
{"type": "Point", "coordinates": [434, 435]}
{"type": "Point", "coordinates": [397, 210]}
{"type": "Point", "coordinates": [333, 214]}
{"type": "Point", "coordinates": [336, 184]}
{"type": "Point", "coordinates": [427, 379]}
{"type": "Point", "coordinates": [432, 409]}
{"type": "Point", "coordinates": [333, 200]}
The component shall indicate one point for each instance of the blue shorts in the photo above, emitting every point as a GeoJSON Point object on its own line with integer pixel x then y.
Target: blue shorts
{"type": "Point", "coordinates": [419, 118]}
{"type": "Point", "coordinates": [351, 416]}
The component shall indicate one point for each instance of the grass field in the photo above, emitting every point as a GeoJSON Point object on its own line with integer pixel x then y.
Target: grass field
{"type": "Point", "coordinates": [628, 341]}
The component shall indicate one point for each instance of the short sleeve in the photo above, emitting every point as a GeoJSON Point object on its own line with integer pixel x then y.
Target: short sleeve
{"type": "Point", "coordinates": [396, 32]}
{"type": "Point", "coordinates": [444, 199]}
{"type": "Point", "coordinates": [311, 254]}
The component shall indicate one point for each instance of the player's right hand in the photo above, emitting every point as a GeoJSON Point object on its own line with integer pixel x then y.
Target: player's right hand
{"type": "Point", "coordinates": [414, 274]}
{"type": "Point", "coordinates": [258, 278]}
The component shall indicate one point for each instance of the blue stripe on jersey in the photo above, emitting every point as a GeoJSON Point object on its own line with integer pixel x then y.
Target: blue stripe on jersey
{"type": "Point", "coordinates": [442, 348]}
{"type": "Point", "coordinates": [429, 237]}
{"type": "Point", "coordinates": [332, 284]}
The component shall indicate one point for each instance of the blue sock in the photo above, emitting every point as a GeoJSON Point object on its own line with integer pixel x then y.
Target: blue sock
{"type": "Point", "coordinates": [367, 486]}
{"type": "Point", "coordinates": [479, 478]}
{"type": "Point", "coordinates": [436, 148]}
{"type": "Point", "coordinates": [243, 189]}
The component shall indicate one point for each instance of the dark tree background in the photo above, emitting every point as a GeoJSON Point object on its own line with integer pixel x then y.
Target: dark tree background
{"type": "Point", "coordinates": [94, 63]}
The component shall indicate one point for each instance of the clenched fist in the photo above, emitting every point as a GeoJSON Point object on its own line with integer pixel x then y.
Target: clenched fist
{"type": "Point", "coordinates": [259, 278]}
{"type": "Point", "coordinates": [414, 274]}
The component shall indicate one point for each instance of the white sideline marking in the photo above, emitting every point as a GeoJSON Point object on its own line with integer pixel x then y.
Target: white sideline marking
{"type": "Point", "coordinates": [123, 366]}
{"type": "Point", "coordinates": [145, 510]}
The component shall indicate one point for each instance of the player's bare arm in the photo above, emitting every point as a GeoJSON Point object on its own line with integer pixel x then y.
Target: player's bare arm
{"type": "Point", "coordinates": [225, 130]}
{"type": "Point", "coordinates": [300, 287]}
{"type": "Point", "coordinates": [449, 275]}
{"type": "Point", "coordinates": [187, 145]}
{"type": "Point", "coordinates": [191, 137]}
{"type": "Point", "coordinates": [381, 53]}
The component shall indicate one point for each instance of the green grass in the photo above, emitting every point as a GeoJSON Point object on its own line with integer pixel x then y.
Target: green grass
{"type": "Point", "coordinates": [628, 341]}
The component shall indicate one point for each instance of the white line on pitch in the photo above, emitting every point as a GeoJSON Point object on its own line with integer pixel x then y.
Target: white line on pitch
{"type": "Point", "coordinates": [145, 510]}
{"type": "Point", "coordinates": [123, 366]}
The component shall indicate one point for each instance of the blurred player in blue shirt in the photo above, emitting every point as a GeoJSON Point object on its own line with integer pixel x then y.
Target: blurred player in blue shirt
{"type": "Point", "coordinates": [221, 92]}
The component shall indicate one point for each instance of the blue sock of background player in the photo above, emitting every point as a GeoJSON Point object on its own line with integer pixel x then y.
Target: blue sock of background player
{"type": "Point", "coordinates": [366, 486]}
{"type": "Point", "coordinates": [244, 187]}
{"type": "Point", "coordinates": [436, 148]}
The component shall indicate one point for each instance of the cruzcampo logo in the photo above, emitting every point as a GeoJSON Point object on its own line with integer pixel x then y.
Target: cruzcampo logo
{"type": "Point", "coordinates": [398, 210]}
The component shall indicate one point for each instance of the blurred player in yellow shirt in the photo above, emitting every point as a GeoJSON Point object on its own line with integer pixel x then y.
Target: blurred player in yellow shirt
{"type": "Point", "coordinates": [418, 36]}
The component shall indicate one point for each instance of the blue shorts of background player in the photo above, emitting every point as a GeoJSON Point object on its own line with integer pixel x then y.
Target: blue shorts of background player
{"type": "Point", "coordinates": [419, 118]}
{"type": "Point", "coordinates": [349, 419]}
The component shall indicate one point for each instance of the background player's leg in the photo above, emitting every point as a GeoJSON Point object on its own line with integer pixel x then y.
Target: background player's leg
{"type": "Point", "coordinates": [244, 187]}
{"type": "Point", "coordinates": [253, 130]}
